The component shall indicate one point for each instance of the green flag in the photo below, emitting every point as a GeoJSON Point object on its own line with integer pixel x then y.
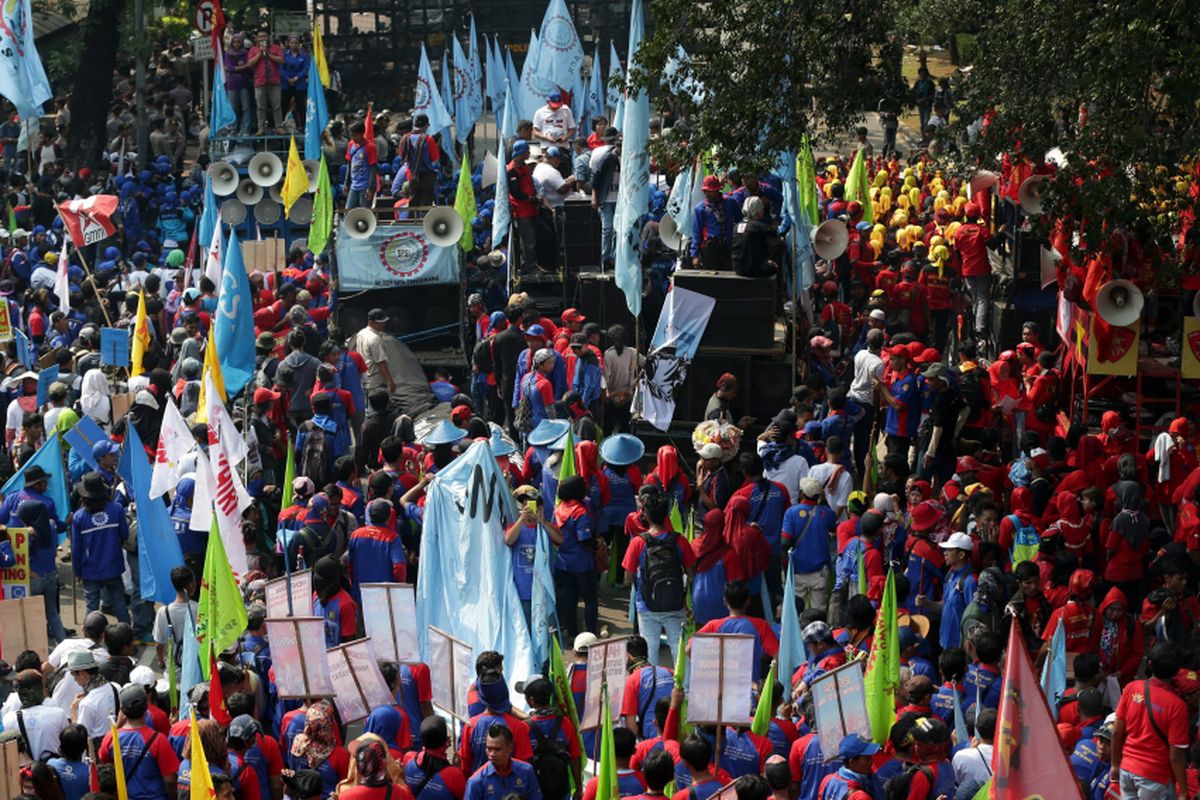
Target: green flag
{"type": "Point", "coordinates": [862, 569]}
{"type": "Point", "coordinates": [606, 773]}
{"type": "Point", "coordinates": [858, 186]}
{"type": "Point", "coordinates": [172, 683]}
{"type": "Point", "coordinates": [562, 689]}
{"type": "Point", "coordinates": [221, 618]}
{"type": "Point", "coordinates": [766, 703]}
{"type": "Point", "coordinates": [567, 467]}
{"type": "Point", "coordinates": [681, 662]}
{"type": "Point", "coordinates": [464, 202]}
{"type": "Point", "coordinates": [676, 518]}
{"type": "Point", "coordinates": [883, 665]}
{"type": "Point", "coordinates": [984, 792]}
{"type": "Point", "coordinates": [806, 177]}
{"type": "Point", "coordinates": [289, 474]}
{"type": "Point", "coordinates": [322, 219]}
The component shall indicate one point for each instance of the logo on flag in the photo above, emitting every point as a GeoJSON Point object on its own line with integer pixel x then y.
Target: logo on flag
{"type": "Point", "coordinates": [424, 95]}
{"type": "Point", "coordinates": [404, 254]}
{"type": "Point", "coordinates": [558, 33]}
{"type": "Point", "coordinates": [89, 221]}
{"type": "Point", "coordinates": [462, 82]}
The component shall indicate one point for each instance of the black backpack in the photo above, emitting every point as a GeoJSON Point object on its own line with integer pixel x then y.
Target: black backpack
{"type": "Point", "coordinates": [551, 762]}
{"type": "Point", "coordinates": [971, 390]}
{"type": "Point", "coordinates": [662, 575]}
{"type": "Point", "coordinates": [897, 786]}
{"type": "Point", "coordinates": [316, 456]}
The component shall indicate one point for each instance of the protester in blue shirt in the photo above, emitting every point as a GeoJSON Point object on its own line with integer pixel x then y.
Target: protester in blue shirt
{"type": "Point", "coordinates": [98, 533]}
{"type": "Point", "coordinates": [712, 227]}
{"type": "Point", "coordinates": [575, 563]}
{"type": "Point", "coordinates": [428, 773]}
{"type": "Point", "coordinates": [984, 681]}
{"type": "Point", "coordinates": [149, 762]}
{"type": "Point", "coordinates": [294, 76]}
{"type": "Point", "coordinates": [807, 529]}
{"type": "Point", "coordinates": [854, 776]}
{"type": "Point", "coordinates": [36, 482]}
{"type": "Point", "coordinates": [957, 590]}
{"type": "Point", "coordinates": [503, 775]}
{"type": "Point", "coordinates": [645, 685]}
{"type": "Point", "coordinates": [521, 537]}
{"type": "Point", "coordinates": [73, 772]}
{"type": "Point", "coordinates": [43, 544]}
{"type": "Point", "coordinates": [359, 187]}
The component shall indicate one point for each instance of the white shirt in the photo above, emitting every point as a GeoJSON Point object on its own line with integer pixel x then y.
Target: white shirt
{"type": "Point", "coordinates": [43, 724]}
{"type": "Point", "coordinates": [973, 764]}
{"type": "Point", "coordinates": [58, 655]}
{"type": "Point", "coordinates": [788, 473]}
{"type": "Point", "coordinates": [97, 707]}
{"type": "Point", "coordinates": [548, 181]}
{"type": "Point", "coordinates": [867, 365]}
{"type": "Point", "coordinates": [597, 154]}
{"type": "Point", "coordinates": [555, 123]}
{"type": "Point", "coordinates": [837, 495]}
{"type": "Point", "coordinates": [43, 278]}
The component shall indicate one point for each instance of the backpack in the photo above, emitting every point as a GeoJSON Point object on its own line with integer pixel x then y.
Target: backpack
{"type": "Point", "coordinates": [971, 390]}
{"type": "Point", "coordinates": [662, 575]}
{"type": "Point", "coordinates": [1025, 541]}
{"type": "Point", "coordinates": [523, 415]}
{"type": "Point", "coordinates": [550, 761]}
{"type": "Point", "coordinates": [315, 456]}
{"type": "Point", "coordinates": [897, 786]}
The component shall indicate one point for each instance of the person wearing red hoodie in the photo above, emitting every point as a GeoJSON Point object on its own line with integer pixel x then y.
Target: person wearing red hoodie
{"type": "Point", "coordinates": [1020, 520]}
{"type": "Point", "coordinates": [972, 243]}
{"type": "Point", "coordinates": [1118, 637]}
{"type": "Point", "coordinates": [1070, 525]}
{"type": "Point", "coordinates": [1126, 538]}
{"type": "Point", "coordinates": [1077, 615]}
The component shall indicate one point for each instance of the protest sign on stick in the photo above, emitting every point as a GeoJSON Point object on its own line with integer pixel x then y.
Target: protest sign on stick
{"type": "Point", "coordinates": [23, 627]}
{"type": "Point", "coordinates": [298, 656]}
{"type": "Point", "coordinates": [840, 706]}
{"type": "Point", "coordinates": [390, 618]}
{"type": "Point", "coordinates": [719, 691]}
{"type": "Point", "coordinates": [357, 680]}
{"type": "Point", "coordinates": [301, 595]}
{"type": "Point", "coordinates": [605, 665]}
{"type": "Point", "coordinates": [14, 580]}
{"type": "Point", "coordinates": [451, 666]}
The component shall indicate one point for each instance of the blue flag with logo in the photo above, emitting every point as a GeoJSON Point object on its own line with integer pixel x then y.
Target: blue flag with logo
{"type": "Point", "coordinates": [679, 207]}
{"type": "Point", "coordinates": [513, 80]}
{"type": "Point", "coordinates": [534, 88]}
{"type": "Point", "coordinates": [614, 96]}
{"type": "Point", "coordinates": [316, 113]}
{"type": "Point", "coordinates": [158, 546]}
{"type": "Point", "coordinates": [22, 77]}
{"type": "Point", "coordinates": [595, 90]}
{"type": "Point", "coordinates": [791, 639]}
{"type": "Point", "coordinates": [466, 91]}
{"type": "Point", "coordinates": [427, 99]}
{"type": "Point", "coordinates": [542, 604]}
{"type": "Point", "coordinates": [1054, 671]}
{"type": "Point", "coordinates": [475, 71]}
{"type": "Point", "coordinates": [560, 55]}
{"type": "Point", "coordinates": [465, 586]}
{"type": "Point", "coordinates": [49, 458]}
{"type": "Point", "coordinates": [208, 221]}
{"type": "Point", "coordinates": [234, 325]}
{"type": "Point", "coordinates": [634, 192]}
{"type": "Point", "coordinates": [508, 119]}
{"type": "Point", "coordinates": [678, 82]}
{"type": "Point", "coordinates": [221, 115]}
{"type": "Point", "coordinates": [501, 213]}
{"type": "Point", "coordinates": [447, 90]}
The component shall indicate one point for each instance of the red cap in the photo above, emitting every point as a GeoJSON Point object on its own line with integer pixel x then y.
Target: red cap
{"type": "Point", "coordinates": [915, 349]}
{"type": "Point", "coordinates": [924, 516]}
{"type": "Point", "coordinates": [1187, 681]}
{"type": "Point", "coordinates": [460, 413]}
{"type": "Point", "coordinates": [897, 350]}
{"type": "Point", "coordinates": [711, 184]}
{"type": "Point", "coordinates": [725, 378]}
{"type": "Point", "coordinates": [573, 315]}
{"type": "Point", "coordinates": [929, 355]}
{"type": "Point", "coordinates": [263, 395]}
{"type": "Point", "coordinates": [972, 210]}
{"type": "Point", "coordinates": [966, 464]}
{"type": "Point", "coordinates": [829, 288]}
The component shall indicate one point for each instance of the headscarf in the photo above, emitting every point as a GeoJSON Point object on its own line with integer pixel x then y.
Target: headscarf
{"type": "Point", "coordinates": [94, 396]}
{"type": "Point", "coordinates": [371, 762]}
{"type": "Point", "coordinates": [885, 504]}
{"type": "Point", "coordinates": [385, 721]}
{"type": "Point", "coordinates": [989, 592]}
{"type": "Point", "coordinates": [184, 491]}
{"type": "Point", "coordinates": [316, 741]}
{"type": "Point", "coordinates": [392, 772]}
{"type": "Point", "coordinates": [746, 540]}
{"type": "Point", "coordinates": [1131, 521]}
{"type": "Point", "coordinates": [710, 545]}
{"type": "Point", "coordinates": [587, 461]}
{"type": "Point", "coordinates": [666, 465]}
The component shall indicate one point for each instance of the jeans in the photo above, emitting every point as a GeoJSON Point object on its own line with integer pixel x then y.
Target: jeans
{"type": "Point", "coordinates": [47, 586]}
{"type": "Point", "coordinates": [356, 198]}
{"type": "Point", "coordinates": [113, 590]}
{"type": "Point", "coordinates": [267, 98]}
{"type": "Point", "coordinates": [980, 289]}
{"type": "Point", "coordinates": [608, 234]}
{"type": "Point", "coordinates": [569, 588]}
{"type": "Point", "coordinates": [527, 233]}
{"type": "Point", "coordinates": [774, 578]}
{"type": "Point", "coordinates": [653, 624]}
{"type": "Point", "coordinates": [813, 588]}
{"type": "Point", "coordinates": [1135, 787]}
{"type": "Point", "coordinates": [862, 437]}
{"type": "Point", "coordinates": [243, 104]}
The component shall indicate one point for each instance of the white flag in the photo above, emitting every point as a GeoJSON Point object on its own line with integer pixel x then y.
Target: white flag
{"type": "Point", "coordinates": [62, 287]}
{"type": "Point", "coordinates": [225, 448]}
{"type": "Point", "coordinates": [175, 441]}
{"type": "Point", "coordinates": [212, 265]}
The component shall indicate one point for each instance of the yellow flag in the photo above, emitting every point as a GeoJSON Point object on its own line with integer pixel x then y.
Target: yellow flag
{"type": "Point", "coordinates": [295, 181]}
{"type": "Point", "coordinates": [212, 370]}
{"type": "Point", "coordinates": [201, 778]}
{"type": "Point", "coordinates": [319, 54]}
{"type": "Point", "coordinates": [141, 337]}
{"type": "Point", "coordinates": [118, 764]}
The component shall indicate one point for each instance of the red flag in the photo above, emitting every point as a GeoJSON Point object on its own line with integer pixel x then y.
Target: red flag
{"type": "Point", "coordinates": [216, 695]}
{"type": "Point", "coordinates": [1028, 757]}
{"type": "Point", "coordinates": [369, 136]}
{"type": "Point", "coordinates": [218, 26]}
{"type": "Point", "coordinates": [89, 221]}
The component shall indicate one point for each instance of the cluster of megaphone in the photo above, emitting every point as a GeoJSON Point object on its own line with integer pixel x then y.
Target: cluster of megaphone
{"type": "Point", "coordinates": [442, 226]}
{"type": "Point", "coordinates": [261, 190]}
{"type": "Point", "coordinates": [830, 239]}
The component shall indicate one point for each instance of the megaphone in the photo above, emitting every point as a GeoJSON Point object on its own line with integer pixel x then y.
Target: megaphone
{"type": "Point", "coordinates": [443, 226]}
{"type": "Point", "coordinates": [668, 231]}
{"type": "Point", "coordinates": [491, 168]}
{"type": "Point", "coordinates": [276, 192]}
{"type": "Point", "coordinates": [233, 212]}
{"type": "Point", "coordinates": [1119, 303]}
{"type": "Point", "coordinates": [267, 212]}
{"type": "Point", "coordinates": [359, 223]}
{"type": "Point", "coordinates": [224, 178]}
{"type": "Point", "coordinates": [1050, 259]}
{"type": "Point", "coordinates": [830, 239]}
{"type": "Point", "coordinates": [311, 167]}
{"type": "Point", "coordinates": [301, 212]}
{"type": "Point", "coordinates": [1030, 194]}
{"type": "Point", "coordinates": [265, 169]}
{"type": "Point", "coordinates": [981, 180]}
{"type": "Point", "coordinates": [249, 192]}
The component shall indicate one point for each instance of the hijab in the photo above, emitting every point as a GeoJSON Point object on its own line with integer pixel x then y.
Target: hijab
{"type": "Point", "coordinates": [666, 465]}
{"type": "Point", "coordinates": [1131, 522]}
{"type": "Point", "coordinates": [746, 539]}
{"type": "Point", "coordinates": [316, 741]}
{"type": "Point", "coordinates": [94, 396]}
{"type": "Point", "coordinates": [587, 461]}
{"type": "Point", "coordinates": [710, 546]}
{"type": "Point", "coordinates": [392, 772]}
{"type": "Point", "coordinates": [385, 721]}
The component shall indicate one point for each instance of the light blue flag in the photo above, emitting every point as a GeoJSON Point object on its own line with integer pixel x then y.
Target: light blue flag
{"type": "Point", "coordinates": [513, 81]}
{"type": "Point", "coordinates": [614, 95]}
{"type": "Point", "coordinates": [960, 723]}
{"type": "Point", "coordinates": [799, 229]}
{"type": "Point", "coordinates": [475, 69]}
{"type": "Point", "coordinates": [447, 90]}
{"type": "Point", "coordinates": [465, 586]}
{"type": "Point", "coordinates": [316, 113]}
{"type": "Point", "coordinates": [534, 88]}
{"type": "Point", "coordinates": [579, 105]}
{"type": "Point", "coordinates": [158, 546]}
{"type": "Point", "coordinates": [791, 639]}
{"type": "Point", "coordinates": [508, 119]}
{"type": "Point", "coordinates": [679, 201]}
{"type": "Point", "coordinates": [495, 77]}
{"type": "Point", "coordinates": [560, 56]}
{"type": "Point", "coordinates": [208, 221]}
{"type": "Point", "coordinates": [768, 608]}
{"type": "Point", "coordinates": [427, 99]}
{"type": "Point", "coordinates": [221, 115]}
{"type": "Point", "coordinates": [1054, 671]}
{"type": "Point", "coordinates": [48, 457]}
{"type": "Point", "coordinates": [542, 608]}
{"type": "Point", "coordinates": [634, 192]}
{"type": "Point", "coordinates": [189, 671]}
{"type": "Point", "coordinates": [595, 91]}
{"type": "Point", "coordinates": [501, 213]}
{"type": "Point", "coordinates": [674, 79]}
{"type": "Point", "coordinates": [465, 90]}
{"type": "Point", "coordinates": [234, 320]}
{"type": "Point", "coordinates": [22, 77]}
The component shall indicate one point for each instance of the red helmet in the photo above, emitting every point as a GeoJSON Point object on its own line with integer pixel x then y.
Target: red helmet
{"type": "Point", "coordinates": [1083, 584]}
{"type": "Point", "coordinates": [829, 288]}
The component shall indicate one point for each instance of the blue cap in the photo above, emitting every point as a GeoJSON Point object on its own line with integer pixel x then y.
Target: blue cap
{"type": "Point", "coordinates": [38, 229]}
{"type": "Point", "coordinates": [496, 317]}
{"type": "Point", "coordinates": [103, 448]}
{"type": "Point", "coordinates": [500, 445]}
{"type": "Point", "coordinates": [622, 449]}
{"type": "Point", "coordinates": [553, 152]}
{"type": "Point", "coordinates": [855, 745]}
{"type": "Point", "coordinates": [535, 330]}
{"type": "Point", "coordinates": [520, 146]}
{"type": "Point", "coordinates": [443, 433]}
{"type": "Point", "coordinates": [112, 253]}
{"type": "Point", "coordinates": [555, 97]}
{"type": "Point", "coordinates": [548, 431]}
{"type": "Point", "coordinates": [864, 226]}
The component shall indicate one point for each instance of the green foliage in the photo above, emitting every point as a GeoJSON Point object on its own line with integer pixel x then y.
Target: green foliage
{"type": "Point", "coordinates": [968, 48]}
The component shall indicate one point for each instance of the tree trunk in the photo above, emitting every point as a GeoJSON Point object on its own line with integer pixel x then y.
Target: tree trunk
{"type": "Point", "coordinates": [954, 49]}
{"type": "Point", "coordinates": [93, 86]}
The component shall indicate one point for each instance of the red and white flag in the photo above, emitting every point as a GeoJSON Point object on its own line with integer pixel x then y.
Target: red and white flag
{"type": "Point", "coordinates": [219, 487]}
{"type": "Point", "coordinates": [212, 262]}
{"type": "Point", "coordinates": [175, 441]}
{"type": "Point", "coordinates": [89, 220]}
{"type": "Point", "coordinates": [62, 285]}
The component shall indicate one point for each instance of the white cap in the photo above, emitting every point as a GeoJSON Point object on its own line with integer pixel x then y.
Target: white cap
{"type": "Point", "coordinates": [584, 640]}
{"type": "Point", "coordinates": [710, 451]}
{"type": "Point", "coordinates": [877, 313]}
{"type": "Point", "coordinates": [142, 676]}
{"type": "Point", "coordinates": [958, 541]}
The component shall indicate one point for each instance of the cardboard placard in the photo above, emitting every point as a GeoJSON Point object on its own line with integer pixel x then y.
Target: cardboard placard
{"type": "Point", "coordinates": [6, 329]}
{"type": "Point", "coordinates": [720, 669]}
{"type": "Point", "coordinates": [23, 627]}
{"type": "Point", "coordinates": [605, 665]}
{"type": "Point", "coordinates": [14, 580]}
{"type": "Point", "coordinates": [10, 770]}
{"type": "Point", "coordinates": [121, 403]}
{"type": "Point", "coordinates": [390, 618]}
{"type": "Point", "coordinates": [1122, 356]}
{"type": "Point", "coordinates": [1189, 365]}
{"type": "Point", "coordinates": [298, 655]}
{"type": "Point", "coordinates": [264, 255]}
{"type": "Point", "coordinates": [277, 595]}
{"type": "Point", "coordinates": [840, 705]}
{"type": "Point", "coordinates": [357, 680]}
{"type": "Point", "coordinates": [451, 669]}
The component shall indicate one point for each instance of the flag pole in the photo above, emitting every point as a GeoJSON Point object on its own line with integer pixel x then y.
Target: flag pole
{"type": "Point", "coordinates": [82, 260]}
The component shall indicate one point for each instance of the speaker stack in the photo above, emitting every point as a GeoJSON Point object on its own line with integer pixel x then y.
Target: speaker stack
{"type": "Point", "coordinates": [254, 204]}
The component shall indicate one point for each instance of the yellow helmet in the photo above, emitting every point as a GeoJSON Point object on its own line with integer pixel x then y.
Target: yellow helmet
{"type": "Point", "coordinates": [935, 242]}
{"type": "Point", "coordinates": [881, 178]}
{"type": "Point", "coordinates": [952, 231]}
{"type": "Point", "coordinates": [940, 253]}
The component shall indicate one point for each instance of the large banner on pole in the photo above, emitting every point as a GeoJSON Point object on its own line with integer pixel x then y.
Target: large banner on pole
{"type": "Point", "coordinates": [680, 328]}
{"type": "Point", "coordinates": [394, 255]}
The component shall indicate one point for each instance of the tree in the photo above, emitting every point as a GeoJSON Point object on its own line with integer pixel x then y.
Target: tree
{"type": "Point", "coordinates": [91, 91]}
{"type": "Point", "coordinates": [751, 78]}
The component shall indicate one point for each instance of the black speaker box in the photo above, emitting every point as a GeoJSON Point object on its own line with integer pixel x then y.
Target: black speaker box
{"type": "Point", "coordinates": [744, 315]}
{"type": "Point", "coordinates": [581, 233]}
{"type": "Point", "coordinates": [411, 309]}
{"type": "Point", "coordinates": [603, 302]}
{"type": "Point", "coordinates": [764, 384]}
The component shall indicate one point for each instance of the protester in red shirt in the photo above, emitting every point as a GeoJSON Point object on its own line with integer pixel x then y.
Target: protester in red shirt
{"type": "Point", "coordinates": [1152, 732]}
